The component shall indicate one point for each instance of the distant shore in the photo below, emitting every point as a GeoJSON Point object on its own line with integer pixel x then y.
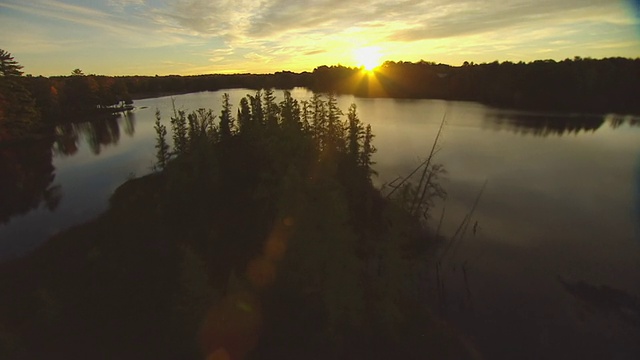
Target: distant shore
{"type": "Point", "coordinates": [151, 95]}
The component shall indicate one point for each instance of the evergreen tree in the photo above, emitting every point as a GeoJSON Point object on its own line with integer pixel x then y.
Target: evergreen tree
{"type": "Point", "coordinates": [356, 133]}
{"type": "Point", "coordinates": [179, 129]}
{"type": "Point", "coordinates": [318, 119]}
{"type": "Point", "coordinates": [367, 150]}
{"type": "Point", "coordinates": [8, 65]}
{"type": "Point", "coordinates": [290, 111]}
{"type": "Point", "coordinates": [162, 154]}
{"type": "Point", "coordinates": [256, 107]}
{"type": "Point", "coordinates": [271, 108]}
{"type": "Point", "coordinates": [19, 117]}
{"type": "Point", "coordinates": [226, 120]}
{"type": "Point", "coordinates": [305, 116]}
{"type": "Point", "coordinates": [334, 127]}
{"type": "Point", "coordinates": [244, 115]}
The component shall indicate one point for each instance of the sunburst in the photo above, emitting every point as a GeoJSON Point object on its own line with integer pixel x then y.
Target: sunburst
{"type": "Point", "coordinates": [367, 57]}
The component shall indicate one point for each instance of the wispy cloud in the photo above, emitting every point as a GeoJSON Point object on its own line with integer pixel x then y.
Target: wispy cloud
{"type": "Point", "coordinates": [330, 27]}
{"type": "Point", "coordinates": [121, 4]}
{"type": "Point", "coordinates": [477, 17]}
{"type": "Point", "coordinates": [405, 20]}
{"type": "Point", "coordinates": [218, 55]}
{"type": "Point", "coordinates": [258, 58]}
{"type": "Point", "coordinates": [251, 34]}
{"type": "Point", "coordinates": [122, 30]}
{"type": "Point", "coordinates": [224, 18]}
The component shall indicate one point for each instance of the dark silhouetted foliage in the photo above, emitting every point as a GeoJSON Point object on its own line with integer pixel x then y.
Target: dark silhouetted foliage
{"type": "Point", "coordinates": [8, 65]}
{"type": "Point", "coordinates": [266, 241]}
{"type": "Point", "coordinates": [583, 85]}
{"type": "Point", "coordinates": [19, 117]}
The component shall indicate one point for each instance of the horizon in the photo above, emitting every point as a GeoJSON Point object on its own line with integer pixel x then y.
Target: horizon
{"type": "Point", "coordinates": [364, 68]}
{"type": "Point", "coordinates": [197, 37]}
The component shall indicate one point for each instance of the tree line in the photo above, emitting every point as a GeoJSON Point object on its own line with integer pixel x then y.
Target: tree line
{"type": "Point", "coordinates": [575, 85]}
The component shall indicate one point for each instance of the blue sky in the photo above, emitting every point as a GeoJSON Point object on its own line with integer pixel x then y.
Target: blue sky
{"type": "Point", "coordinates": [148, 37]}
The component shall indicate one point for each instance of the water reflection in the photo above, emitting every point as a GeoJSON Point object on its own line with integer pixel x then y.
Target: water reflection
{"type": "Point", "coordinates": [615, 121]}
{"type": "Point", "coordinates": [28, 172]}
{"type": "Point", "coordinates": [26, 181]}
{"type": "Point", "coordinates": [554, 124]}
{"type": "Point", "coordinates": [129, 123]}
{"type": "Point", "coordinates": [542, 124]}
{"type": "Point", "coordinates": [66, 142]}
{"type": "Point", "coordinates": [97, 133]}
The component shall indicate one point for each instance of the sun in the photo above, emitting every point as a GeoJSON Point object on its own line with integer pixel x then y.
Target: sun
{"type": "Point", "coordinates": [368, 57]}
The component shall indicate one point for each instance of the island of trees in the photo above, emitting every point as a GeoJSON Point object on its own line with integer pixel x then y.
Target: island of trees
{"type": "Point", "coordinates": [259, 235]}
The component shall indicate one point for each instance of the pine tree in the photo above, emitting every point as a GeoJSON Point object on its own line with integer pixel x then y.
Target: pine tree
{"type": "Point", "coordinates": [333, 115]}
{"type": "Point", "coordinates": [356, 133]}
{"type": "Point", "coordinates": [305, 116]}
{"type": "Point", "coordinates": [367, 151]}
{"type": "Point", "coordinates": [162, 155]}
{"type": "Point", "coordinates": [318, 119]}
{"type": "Point", "coordinates": [256, 108]}
{"type": "Point", "coordinates": [8, 65]}
{"type": "Point", "coordinates": [290, 111]}
{"type": "Point", "coordinates": [226, 120]}
{"type": "Point", "coordinates": [271, 108]}
{"type": "Point", "coordinates": [19, 117]}
{"type": "Point", "coordinates": [179, 128]}
{"type": "Point", "coordinates": [244, 115]}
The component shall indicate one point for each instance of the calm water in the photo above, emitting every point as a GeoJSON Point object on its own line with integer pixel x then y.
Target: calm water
{"type": "Point", "coordinates": [562, 201]}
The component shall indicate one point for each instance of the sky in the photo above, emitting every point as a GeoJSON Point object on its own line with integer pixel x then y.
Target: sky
{"type": "Point", "coordinates": [187, 37]}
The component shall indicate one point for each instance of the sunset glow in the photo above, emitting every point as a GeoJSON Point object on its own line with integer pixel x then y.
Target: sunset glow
{"type": "Point", "coordinates": [189, 37]}
{"type": "Point", "coordinates": [368, 57]}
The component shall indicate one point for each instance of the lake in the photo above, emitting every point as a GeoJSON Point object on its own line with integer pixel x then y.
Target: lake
{"type": "Point", "coordinates": [549, 267]}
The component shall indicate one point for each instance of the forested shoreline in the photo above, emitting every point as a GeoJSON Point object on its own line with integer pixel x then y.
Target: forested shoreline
{"type": "Point", "coordinates": [576, 85]}
{"type": "Point", "coordinates": [579, 85]}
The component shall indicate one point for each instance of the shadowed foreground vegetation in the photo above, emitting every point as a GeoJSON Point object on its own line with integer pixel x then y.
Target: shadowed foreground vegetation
{"type": "Point", "coordinates": [259, 236]}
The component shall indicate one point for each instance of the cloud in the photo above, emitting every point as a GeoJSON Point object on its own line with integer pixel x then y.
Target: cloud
{"type": "Point", "coordinates": [110, 27]}
{"type": "Point", "coordinates": [247, 34]}
{"type": "Point", "coordinates": [61, 7]}
{"type": "Point", "coordinates": [315, 28]}
{"type": "Point", "coordinates": [474, 17]}
{"type": "Point", "coordinates": [219, 55]}
{"type": "Point", "coordinates": [254, 57]}
{"type": "Point", "coordinates": [267, 19]}
{"type": "Point", "coordinates": [124, 3]}
{"type": "Point", "coordinates": [121, 5]}
{"type": "Point", "coordinates": [417, 20]}
{"type": "Point", "coordinates": [223, 18]}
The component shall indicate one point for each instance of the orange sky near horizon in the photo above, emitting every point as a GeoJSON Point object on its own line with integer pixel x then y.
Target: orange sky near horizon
{"type": "Point", "coordinates": [188, 37]}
